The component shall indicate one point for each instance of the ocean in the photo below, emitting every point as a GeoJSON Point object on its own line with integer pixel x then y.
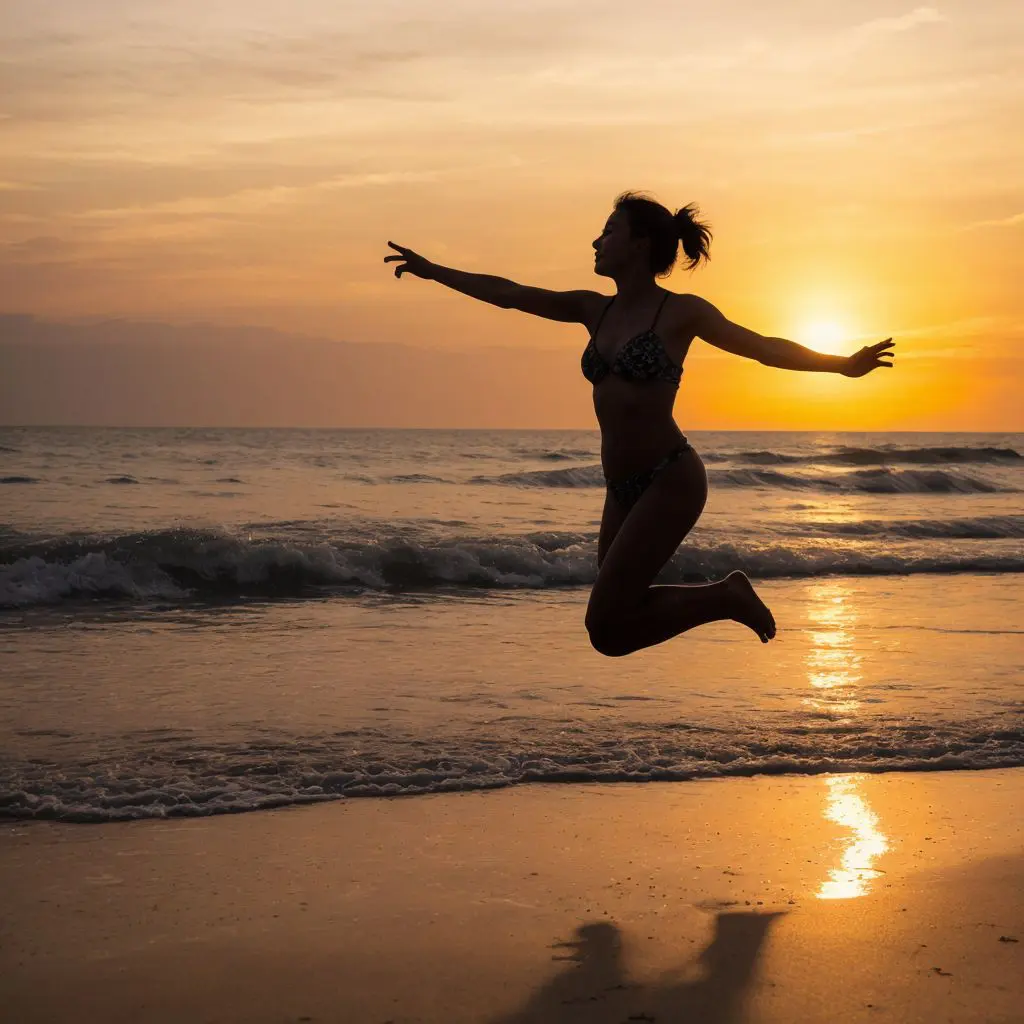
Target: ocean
{"type": "Point", "coordinates": [196, 621]}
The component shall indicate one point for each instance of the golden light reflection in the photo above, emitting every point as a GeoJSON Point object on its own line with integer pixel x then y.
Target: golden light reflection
{"type": "Point", "coordinates": [833, 672]}
{"type": "Point", "coordinates": [848, 808]}
{"type": "Point", "coordinates": [833, 666]}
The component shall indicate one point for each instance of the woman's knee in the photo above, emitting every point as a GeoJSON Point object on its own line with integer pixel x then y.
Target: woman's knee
{"type": "Point", "coordinates": [605, 636]}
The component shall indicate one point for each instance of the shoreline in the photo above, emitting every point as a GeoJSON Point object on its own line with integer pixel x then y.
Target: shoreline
{"type": "Point", "coordinates": [571, 780]}
{"type": "Point", "coordinates": [882, 897]}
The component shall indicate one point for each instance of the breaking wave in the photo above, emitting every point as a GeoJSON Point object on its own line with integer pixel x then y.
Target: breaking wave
{"type": "Point", "coordinates": [976, 528]}
{"type": "Point", "coordinates": [850, 456]}
{"type": "Point", "coordinates": [864, 481]}
{"type": "Point", "coordinates": [882, 480]}
{"type": "Point", "coordinates": [177, 565]}
{"type": "Point", "coordinates": [577, 476]}
{"type": "Point", "coordinates": [164, 775]}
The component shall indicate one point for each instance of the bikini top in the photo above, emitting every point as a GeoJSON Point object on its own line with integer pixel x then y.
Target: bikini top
{"type": "Point", "coordinates": [642, 358]}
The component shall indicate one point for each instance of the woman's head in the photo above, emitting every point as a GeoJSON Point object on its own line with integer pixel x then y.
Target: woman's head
{"type": "Point", "coordinates": [640, 229]}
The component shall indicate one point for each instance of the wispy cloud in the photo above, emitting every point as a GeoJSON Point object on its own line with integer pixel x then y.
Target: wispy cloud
{"type": "Point", "coordinates": [947, 340]}
{"type": "Point", "coordinates": [998, 222]}
{"type": "Point", "coordinates": [902, 23]}
{"type": "Point", "coordinates": [250, 200]}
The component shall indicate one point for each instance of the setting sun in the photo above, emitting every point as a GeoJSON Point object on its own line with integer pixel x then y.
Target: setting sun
{"type": "Point", "coordinates": [825, 336]}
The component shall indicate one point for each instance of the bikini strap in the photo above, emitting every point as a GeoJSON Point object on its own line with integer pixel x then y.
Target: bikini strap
{"type": "Point", "coordinates": [600, 319]}
{"type": "Point", "coordinates": [656, 315]}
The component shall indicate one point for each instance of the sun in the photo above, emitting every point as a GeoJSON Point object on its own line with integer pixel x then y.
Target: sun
{"type": "Point", "coordinates": [824, 336]}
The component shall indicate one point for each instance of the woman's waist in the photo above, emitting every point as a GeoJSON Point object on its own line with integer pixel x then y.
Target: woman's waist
{"type": "Point", "coordinates": [624, 453]}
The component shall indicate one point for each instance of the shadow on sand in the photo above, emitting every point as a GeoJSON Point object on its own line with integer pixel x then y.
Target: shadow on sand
{"type": "Point", "coordinates": [595, 987]}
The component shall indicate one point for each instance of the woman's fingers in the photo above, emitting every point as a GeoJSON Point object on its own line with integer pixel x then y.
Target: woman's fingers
{"type": "Point", "coordinates": [409, 262]}
{"type": "Point", "coordinates": [880, 354]}
{"type": "Point", "coordinates": [402, 256]}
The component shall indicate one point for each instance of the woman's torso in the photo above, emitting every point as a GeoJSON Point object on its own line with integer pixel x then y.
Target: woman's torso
{"type": "Point", "coordinates": [634, 406]}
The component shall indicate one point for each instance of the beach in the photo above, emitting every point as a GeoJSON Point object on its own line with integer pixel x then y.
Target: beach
{"type": "Point", "coordinates": [892, 897]}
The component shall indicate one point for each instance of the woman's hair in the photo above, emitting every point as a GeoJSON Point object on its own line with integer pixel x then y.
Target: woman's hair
{"type": "Point", "coordinates": [649, 219]}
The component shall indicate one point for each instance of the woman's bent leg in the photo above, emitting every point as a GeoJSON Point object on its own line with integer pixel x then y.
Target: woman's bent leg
{"type": "Point", "coordinates": [667, 611]}
{"type": "Point", "coordinates": [627, 613]}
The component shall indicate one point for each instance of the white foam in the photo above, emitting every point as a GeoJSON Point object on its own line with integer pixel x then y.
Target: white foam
{"type": "Point", "coordinates": [172, 565]}
{"type": "Point", "coordinates": [184, 779]}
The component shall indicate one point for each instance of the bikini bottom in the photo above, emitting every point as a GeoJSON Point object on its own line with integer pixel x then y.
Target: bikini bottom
{"type": "Point", "coordinates": [627, 489]}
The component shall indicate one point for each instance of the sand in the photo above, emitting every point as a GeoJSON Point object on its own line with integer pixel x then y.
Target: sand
{"type": "Point", "coordinates": [792, 899]}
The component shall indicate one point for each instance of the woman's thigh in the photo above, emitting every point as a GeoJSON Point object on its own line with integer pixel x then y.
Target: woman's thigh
{"type": "Point", "coordinates": [612, 519]}
{"type": "Point", "coordinates": [649, 534]}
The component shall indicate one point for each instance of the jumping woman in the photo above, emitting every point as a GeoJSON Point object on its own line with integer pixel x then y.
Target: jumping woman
{"type": "Point", "coordinates": [656, 482]}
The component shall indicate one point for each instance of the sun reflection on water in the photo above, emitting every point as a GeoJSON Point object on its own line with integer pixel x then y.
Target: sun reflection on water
{"type": "Point", "coordinates": [833, 666]}
{"type": "Point", "coordinates": [833, 672]}
{"type": "Point", "coordinates": [847, 807]}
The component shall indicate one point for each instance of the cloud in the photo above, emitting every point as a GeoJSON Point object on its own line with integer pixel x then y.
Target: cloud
{"type": "Point", "coordinates": [999, 222]}
{"type": "Point", "coordinates": [946, 340]}
{"type": "Point", "coordinates": [164, 79]}
{"type": "Point", "coordinates": [258, 201]}
{"type": "Point", "coordinates": [163, 66]}
{"type": "Point", "coordinates": [902, 23]}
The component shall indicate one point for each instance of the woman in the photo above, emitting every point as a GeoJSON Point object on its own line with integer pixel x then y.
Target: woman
{"type": "Point", "coordinates": [657, 485]}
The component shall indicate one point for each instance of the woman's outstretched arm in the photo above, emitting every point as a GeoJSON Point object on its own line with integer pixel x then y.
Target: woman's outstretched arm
{"type": "Point", "coordinates": [569, 307]}
{"type": "Point", "coordinates": [714, 328]}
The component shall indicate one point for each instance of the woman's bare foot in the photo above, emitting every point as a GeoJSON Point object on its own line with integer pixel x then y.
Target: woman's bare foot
{"type": "Point", "coordinates": [749, 608]}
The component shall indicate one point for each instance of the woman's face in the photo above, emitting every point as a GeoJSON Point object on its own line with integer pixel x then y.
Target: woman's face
{"type": "Point", "coordinates": [615, 249]}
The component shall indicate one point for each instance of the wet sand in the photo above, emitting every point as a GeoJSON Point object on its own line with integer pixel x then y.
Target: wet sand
{"type": "Point", "coordinates": [896, 898]}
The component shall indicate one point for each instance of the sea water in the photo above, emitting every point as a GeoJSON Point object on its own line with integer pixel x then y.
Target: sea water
{"type": "Point", "coordinates": [194, 621]}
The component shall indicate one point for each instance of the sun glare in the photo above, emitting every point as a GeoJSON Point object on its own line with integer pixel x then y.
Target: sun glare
{"type": "Point", "coordinates": [824, 336]}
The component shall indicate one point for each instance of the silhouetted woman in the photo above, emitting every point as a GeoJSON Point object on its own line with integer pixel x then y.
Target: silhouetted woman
{"type": "Point", "coordinates": [656, 483]}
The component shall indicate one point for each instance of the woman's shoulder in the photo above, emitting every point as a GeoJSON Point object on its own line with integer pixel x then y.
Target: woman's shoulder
{"type": "Point", "coordinates": [683, 313]}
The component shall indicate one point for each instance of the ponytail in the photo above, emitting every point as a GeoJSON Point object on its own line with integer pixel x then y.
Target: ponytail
{"type": "Point", "coordinates": [694, 234]}
{"type": "Point", "coordinates": [649, 219]}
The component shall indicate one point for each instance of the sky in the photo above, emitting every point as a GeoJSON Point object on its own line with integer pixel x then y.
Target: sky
{"type": "Point", "coordinates": [244, 164]}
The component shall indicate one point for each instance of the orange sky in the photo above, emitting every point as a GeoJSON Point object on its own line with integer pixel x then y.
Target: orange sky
{"type": "Point", "coordinates": [243, 163]}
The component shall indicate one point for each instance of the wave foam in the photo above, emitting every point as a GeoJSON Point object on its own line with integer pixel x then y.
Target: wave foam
{"type": "Point", "coordinates": [976, 528]}
{"type": "Point", "coordinates": [185, 779]}
{"type": "Point", "coordinates": [865, 481]}
{"type": "Point", "coordinates": [177, 564]}
{"type": "Point", "coordinates": [881, 480]}
{"type": "Point", "coordinates": [852, 456]}
{"type": "Point", "coordinates": [577, 476]}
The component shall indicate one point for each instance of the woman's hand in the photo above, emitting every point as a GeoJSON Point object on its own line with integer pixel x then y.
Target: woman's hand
{"type": "Point", "coordinates": [410, 262]}
{"type": "Point", "coordinates": [869, 358]}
